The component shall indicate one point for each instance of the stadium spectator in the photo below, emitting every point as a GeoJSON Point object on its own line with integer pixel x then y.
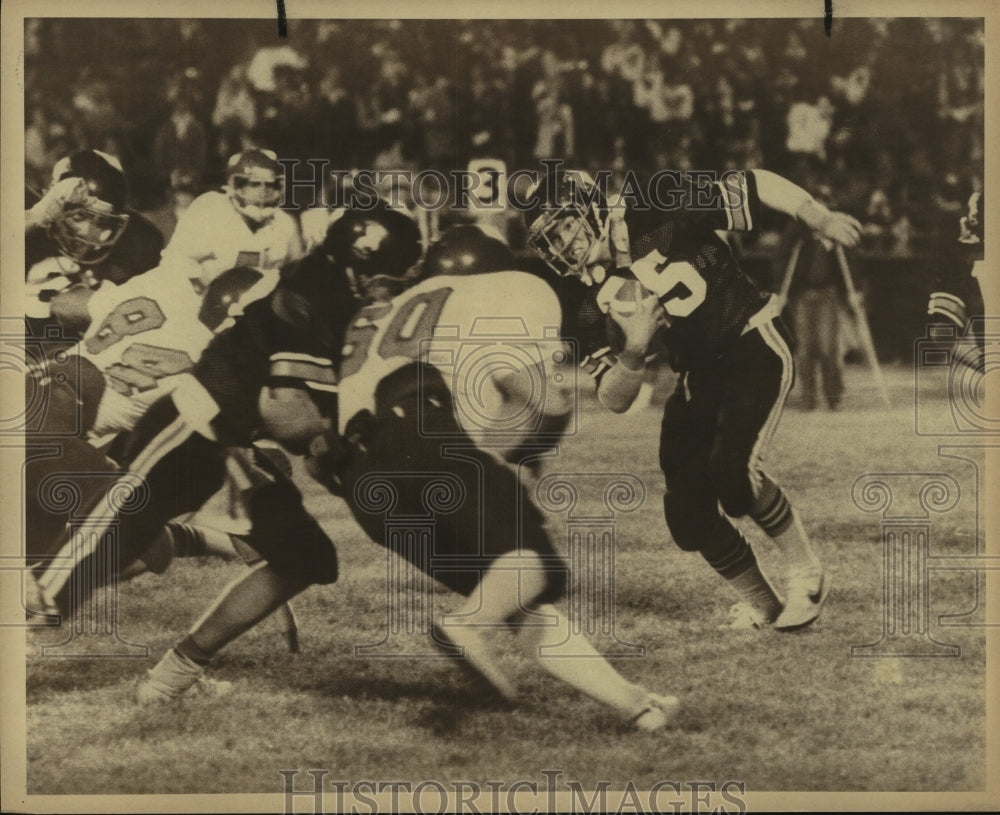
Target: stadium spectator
{"type": "Point", "coordinates": [180, 148]}
{"type": "Point", "coordinates": [815, 302]}
{"type": "Point", "coordinates": [235, 113]}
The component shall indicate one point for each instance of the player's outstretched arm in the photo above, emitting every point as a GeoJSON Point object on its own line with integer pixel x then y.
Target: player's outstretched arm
{"type": "Point", "coordinates": [785, 196]}
{"type": "Point", "coordinates": [62, 194]}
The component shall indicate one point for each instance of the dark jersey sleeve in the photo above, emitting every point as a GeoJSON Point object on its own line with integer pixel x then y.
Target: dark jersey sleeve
{"type": "Point", "coordinates": [586, 329]}
{"type": "Point", "coordinates": [292, 338]}
{"type": "Point", "coordinates": [137, 251]}
{"type": "Point", "coordinates": [955, 294]}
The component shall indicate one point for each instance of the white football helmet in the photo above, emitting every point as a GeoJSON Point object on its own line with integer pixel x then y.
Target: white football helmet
{"type": "Point", "coordinates": [256, 184]}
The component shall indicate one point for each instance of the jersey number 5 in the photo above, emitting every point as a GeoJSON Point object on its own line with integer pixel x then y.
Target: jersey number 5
{"type": "Point", "coordinates": [678, 285]}
{"type": "Point", "coordinates": [414, 322]}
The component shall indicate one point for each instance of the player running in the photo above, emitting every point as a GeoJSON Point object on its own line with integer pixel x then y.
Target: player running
{"type": "Point", "coordinates": [721, 333]}
{"type": "Point", "coordinates": [430, 380]}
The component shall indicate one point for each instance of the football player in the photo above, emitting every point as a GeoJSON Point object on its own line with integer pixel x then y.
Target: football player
{"type": "Point", "coordinates": [958, 285]}
{"type": "Point", "coordinates": [241, 226]}
{"type": "Point", "coordinates": [80, 232]}
{"type": "Point", "coordinates": [429, 380]}
{"type": "Point", "coordinates": [142, 337]}
{"type": "Point", "coordinates": [723, 336]}
{"type": "Point", "coordinates": [272, 374]}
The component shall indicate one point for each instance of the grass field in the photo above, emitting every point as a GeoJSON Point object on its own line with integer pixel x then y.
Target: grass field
{"type": "Point", "coordinates": [776, 711]}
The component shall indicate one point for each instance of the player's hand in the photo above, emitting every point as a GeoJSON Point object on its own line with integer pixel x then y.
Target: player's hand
{"type": "Point", "coordinates": [840, 229]}
{"type": "Point", "coordinates": [59, 196]}
{"type": "Point", "coordinates": [639, 325]}
{"type": "Point", "coordinates": [831, 228]}
{"type": "Point", "coordinates": [325, 458]}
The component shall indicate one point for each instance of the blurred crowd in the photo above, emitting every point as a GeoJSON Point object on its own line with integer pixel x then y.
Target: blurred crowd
{"type": "Point", "coordinates": [888, 113]}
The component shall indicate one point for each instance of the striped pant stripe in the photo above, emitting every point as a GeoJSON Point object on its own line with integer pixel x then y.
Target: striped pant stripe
{"type": "Point", "coordinates": [170, 438]}
{"type": "Point", "coordinates": [773, 339]}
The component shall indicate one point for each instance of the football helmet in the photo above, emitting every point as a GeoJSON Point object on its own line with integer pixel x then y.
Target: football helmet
{"type": "Point", "coordinates": [255, 184]}
{"type": "Point", "coordinates": [222, 297]}
{"type": "Point", "coordinates": [467, 250]}
{"type": "Point", "coordinates": [86, 232]}
{"type": "Point", "coordinates": [379, 245]}
{"type": "Point", "coordinates": [567, 215]}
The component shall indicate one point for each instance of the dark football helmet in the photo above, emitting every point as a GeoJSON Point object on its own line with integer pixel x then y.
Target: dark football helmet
{"type": "Point", "coordinates": [86, 232]}
{"type": "Point", "coordinates": [467, 250]}
{"type": "Point", "coordinates": [224, 293]}
{"type": "Point", "coordinates": [379, 245]}
{"type": "Point", "coordinates": [567, 215]}
{"type": "Point", "coordinates": [255, 183]}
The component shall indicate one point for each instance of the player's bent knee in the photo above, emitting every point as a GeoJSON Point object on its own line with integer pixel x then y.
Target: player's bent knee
{"type": "Point", "coordinates": [289, 539]}
{"type": "Point", "coordinates": [687, 529]}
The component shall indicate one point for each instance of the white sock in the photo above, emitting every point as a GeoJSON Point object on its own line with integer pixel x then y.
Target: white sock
{"type": "Point", "coordinates": [755, 589]}
{"type": "Point", "coordinates": [797, 553]}
{"type": "Point", "coordinates": [577, 663]}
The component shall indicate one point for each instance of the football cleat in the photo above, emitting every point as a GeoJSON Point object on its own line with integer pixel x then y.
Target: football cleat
{"type": "Point", "coordinates": [804, 602]}
{"type": "Point", "coordinates": [175, 675]}
{"type": "Point", "coordinates": [476, 656]}
{"type": "Point", "coordinates": [659, 712]}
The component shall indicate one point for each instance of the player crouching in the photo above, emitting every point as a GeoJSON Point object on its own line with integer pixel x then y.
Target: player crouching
{"type": "Point", "coordinates": [424, 398]}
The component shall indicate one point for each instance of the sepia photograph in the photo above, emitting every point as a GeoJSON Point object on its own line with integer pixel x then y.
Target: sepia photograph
{"type": "Point", "coordinates": [498, 407]}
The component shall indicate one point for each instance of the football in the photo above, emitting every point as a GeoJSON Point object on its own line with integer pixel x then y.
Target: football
{"type": "Point", "coordinates": [629, 293]}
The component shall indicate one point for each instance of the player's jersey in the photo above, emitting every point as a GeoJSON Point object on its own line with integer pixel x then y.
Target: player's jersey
{"type": "Point", "coordinates": [146, 333]}
{"type": "Point", "coordinates": [291, 338]}
{"type": "Point", "coordinates": [675, 252]}
{"type": "Point", "coordinates": [212, 236]}
{"type": "Point", "coordinates": [706, 296]}
{"type": "Point", "coordinates": [473, 329]}
{"type": "Point", "coordinates": [957, 276]}
{"type": "Point", "coordinates": [142, 335]}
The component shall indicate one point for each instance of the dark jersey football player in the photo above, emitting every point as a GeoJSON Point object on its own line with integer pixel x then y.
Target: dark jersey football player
{"type": "Point", "coordinates": [80, 232]}
{"type": "Point", "coordinates": [275, 368]}
{"type": "Point", "coordinates": [957, 285]}
{"type": "Point", "coordinates": [721, 333]}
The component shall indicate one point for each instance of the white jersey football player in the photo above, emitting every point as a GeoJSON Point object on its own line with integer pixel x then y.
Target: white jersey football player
{"type": "Point", "coordinates": [144, 336]}
{"type": "Point", "coordinates": [429, 381]}
{"type": "Point", "coordinates": [241, 226]}
{"type": "Point", "coordinates": [146, 333]}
